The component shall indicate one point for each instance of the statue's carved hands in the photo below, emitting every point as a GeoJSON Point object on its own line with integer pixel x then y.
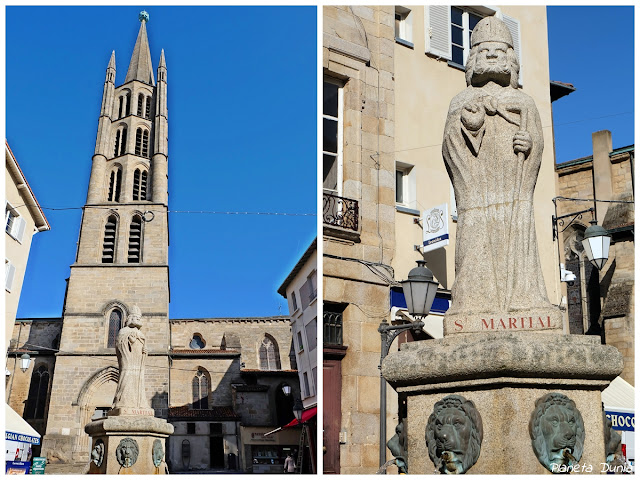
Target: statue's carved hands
{"type": "Point", "coordinates": [522, 142]}
{"type": "Point", "coordinates": [144, 350]}
{"type": "Point", "coordinates": [472, 116]}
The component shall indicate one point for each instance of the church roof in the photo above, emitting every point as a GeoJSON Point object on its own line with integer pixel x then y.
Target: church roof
{"type": "Point", "coordinates": [140, 67]}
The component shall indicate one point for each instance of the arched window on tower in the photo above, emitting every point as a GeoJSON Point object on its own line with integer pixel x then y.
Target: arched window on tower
{"type": "Point", "coordinates": [115, 324]}
{"type": "Point", "coordinates": [115, 181]}
{"type": "Point", "coordinates": [134, 254]}
{"type": "Point", "coordinates": [128, 110]}
{"type": "Point", "coordinates": [138, 149]}
{"type": "Point", "coordinates": [140, 104]}
{"type": "Point", "coordinates": [121, 104]}
{"type": "Point", "coordinates": [147, 110]}
{"type": "Point", "coordinates": [269, 353]}
{"type": "Point", "coordinates": [37, 399]}
{"type": "Point", "coordinates": [109, 244]}
{"type": "Point", "coordinates": [140, 184]}
{"type": "Point", "coordinates": [121, 141]}
{"type": "Point", "coordinates": [200, 384]}
{"type": "Point", "coordinates": [145, 144]}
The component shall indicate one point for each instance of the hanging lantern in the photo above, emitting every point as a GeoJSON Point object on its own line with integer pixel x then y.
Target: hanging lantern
{"type": "Point", "coordinates": [596, 245]}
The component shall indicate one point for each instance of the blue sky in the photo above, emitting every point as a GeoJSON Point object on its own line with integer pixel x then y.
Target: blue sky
{"type": "Point", "coordinates": [242, 137]}
{"type": "Point", "coordinates": [592, 48]}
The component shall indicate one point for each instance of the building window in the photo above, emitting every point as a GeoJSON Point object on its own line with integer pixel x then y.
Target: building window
{"type": "Point", "coordinates": [140, 104]}
{"type": "Point", "coordinates": [121, 141]}
{"type": "Point", "coordinates": [404, 26]}
{"type": "Point", "coordinates": [115, 181]}
{"type": "Point", "coordinates": [109, 244]}
{"type": "Point", "coordinates": [332, 137]}
{"type": "Point", "coordinates": [38, 389]}
{"type": "Point", "coordinates": [311, 329]}
{"type": "Point", "coordinates": [307, 390]}
{"type": "Point", "coordinates": [462, 24]}
{"type": "Point", "coordinates": [300, 344]}
{"type": "Point", "coordinates": [200, 390]}
{"type": "Point", "coordinates": [308, 291]}
{"type": "Point", "coordinates": [14, 223]}
{"type": "Point", "coordinates": [142, 142]}
{"type": "Point", "coordinates": [138, 149]}
{"type": "Point", "coordinates": [294, 301]}
{"type": "Point", "coordinates": [134, 253]}
{"type": "Point", "coordinates": [115, 323]}
{"type": "Point", "coordinates": [332, 323]}
{"type": "Point", "coordinates": [140, 184]}
{"type": "Point", "coordinates": [128, 104]}
{"type": "Point", "coordinates": [269, 354]}
{"type": "Point", "coordinates": [191, 429]}
{"type": "Point", "coordinates": [9, 274]}
{"type": "Point", "coordinates": [147, 110]}
{"type": "Point", "coordinates": [405, 185]}
{"type": "Point", "coordinates": [197, 342]}
{"type": "Point", "coordinates": [121, 103]}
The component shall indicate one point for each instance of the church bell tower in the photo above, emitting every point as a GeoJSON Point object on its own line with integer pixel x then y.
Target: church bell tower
{"type": "Point", "coordinates": [122, 256]}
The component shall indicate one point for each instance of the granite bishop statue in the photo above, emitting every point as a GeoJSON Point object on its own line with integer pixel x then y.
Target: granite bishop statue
{"type": "Point", "coordinates": [131, 353]}
{"type": "Point", "coordinates": [492, 149]}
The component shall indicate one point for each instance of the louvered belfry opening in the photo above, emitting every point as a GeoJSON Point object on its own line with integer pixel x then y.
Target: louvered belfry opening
{"type": "Point", "coordinates": [116, 150]}
{"type": "Point", "coordinates": [140, 104]}
{"type": "Point", "coordinates": [143, 185]}
{"type": "Point", "coordinates": [145, 143]}
{"type": "Point", "coordinates": [147, 111]}
{"type": "Point", "coordinates": [138, 141]}
{"type": "Point", "coordinates": [135, 240]}
{"type": "Point", "coordinates": [109, 244]}
{"type": "Point", "coordinates": [123, 143]}
{"type": "Point", "coordinates": [115, 181]}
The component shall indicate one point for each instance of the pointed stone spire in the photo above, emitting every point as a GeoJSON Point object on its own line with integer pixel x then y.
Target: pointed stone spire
{"type": "Point", "coordinates": [112, 62]}
{"type": "Point", "coordinates": [162, 62]}
{"type": "Point", "coordinates": [140, 67]}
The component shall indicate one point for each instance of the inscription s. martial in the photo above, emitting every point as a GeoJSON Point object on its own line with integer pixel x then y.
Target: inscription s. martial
{"type": "Point", "coordinates": [511, 323]}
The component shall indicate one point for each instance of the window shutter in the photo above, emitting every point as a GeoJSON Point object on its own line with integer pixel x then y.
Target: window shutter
{"type": "Point", "coordinates": [18, 227]}
{"type": "Point", "coordinates": [11, 273]}
{"type": "Point", "coordinates": [438, 32]}
{"type": "Point", "coordinates": [514, 27]}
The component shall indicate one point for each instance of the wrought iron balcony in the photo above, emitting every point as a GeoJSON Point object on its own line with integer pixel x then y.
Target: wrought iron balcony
{"type": "Point", "coordinates": [340, 212]}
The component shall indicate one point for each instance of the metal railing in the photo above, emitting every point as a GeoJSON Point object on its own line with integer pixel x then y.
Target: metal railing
{"type": "Point", "coordinates": [339, 211]}
{"type": "Point", "coordinates": [332, 332]}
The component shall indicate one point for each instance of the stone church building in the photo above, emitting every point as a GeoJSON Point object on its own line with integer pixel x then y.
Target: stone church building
{"type": "Point", "coordinates": [217, 380]}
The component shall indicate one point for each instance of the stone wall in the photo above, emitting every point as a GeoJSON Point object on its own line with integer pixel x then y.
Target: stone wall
{"type": "Point", "coordinates": [358, 45]}
{"type": "Point", "coordinates": [241, 334]}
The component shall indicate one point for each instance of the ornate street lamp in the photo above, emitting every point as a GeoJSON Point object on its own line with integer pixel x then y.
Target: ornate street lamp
{"type": "Point", "coordinates": [286, 389]}
{"type": "Point", "coordinates": [596, 245]}
{"type": "Point", "coordinates": [419, 290]}
{"type": "Point", "coordinates": [25, 360]}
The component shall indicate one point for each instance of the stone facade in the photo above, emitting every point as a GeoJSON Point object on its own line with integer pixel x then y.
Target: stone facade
{"type": "Point", "coordinates": [357, 56]}
{"type": "Point", "coordinates": [601, 303]}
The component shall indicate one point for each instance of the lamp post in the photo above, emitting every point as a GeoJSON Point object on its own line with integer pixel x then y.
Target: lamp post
{"type": "Point", "coordinates": [419, 292]}
{"type": "Point", "coordinates": [286, 389]}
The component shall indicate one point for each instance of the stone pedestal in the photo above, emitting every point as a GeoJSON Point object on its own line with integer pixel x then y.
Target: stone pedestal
{"type": "Point", "coordinates": [142, 434]}
{"type": "Point", "coordinates": [503, 374]}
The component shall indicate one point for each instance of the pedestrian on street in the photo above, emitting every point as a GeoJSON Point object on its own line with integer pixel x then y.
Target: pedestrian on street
{"type": "Point", "coordinates": [289, 464]}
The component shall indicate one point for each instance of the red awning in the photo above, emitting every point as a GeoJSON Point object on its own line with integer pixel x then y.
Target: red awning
{"type": "Point", "coordinates": [306, 415]}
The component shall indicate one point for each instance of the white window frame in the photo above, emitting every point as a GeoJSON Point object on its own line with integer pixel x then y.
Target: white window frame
{"type": "Point", "coordinates": [18, 224]}
{"type": "Point", "coordinates": [479, 11]}
{"type": "Point", "coordinates": [408, 185]}
{"type": "Point", "coordinates": [404, 35]}
{"type": "Point", "coordinates": [340, 118]}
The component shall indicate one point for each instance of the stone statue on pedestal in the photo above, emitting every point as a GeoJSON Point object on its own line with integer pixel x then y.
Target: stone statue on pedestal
{"type": "Point", "coordinates": [131, 353]}
{"type": "Point", "coordinates": [492, 149]}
